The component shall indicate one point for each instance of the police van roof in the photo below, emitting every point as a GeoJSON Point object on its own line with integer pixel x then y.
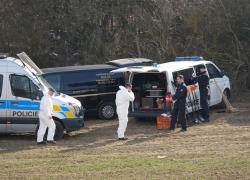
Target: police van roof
{"type": "Point", "coordinates": [8, 59]}
{"type": "Point", "coordinates": [77, 68]}
{"type": "Point", "coordinates": [175, 65]}
{"type": "Point", "coordinates": [4, 55]}
{"type": "Point", "coordinates": [24, 62]}
{"type": "Point", "coordinates": [12, 59]}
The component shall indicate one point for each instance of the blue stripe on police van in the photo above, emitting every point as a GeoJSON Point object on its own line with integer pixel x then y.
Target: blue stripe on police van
{"type": "Point", "coordinates": [65, 109]}
{"type": "Point", "coordinates": [24, 105]}
{"type": "Point", "coordinates": [3, 105]}
{"type": "Point", "coordinates": [63, 114]}
{"type": "Point", "coordinates": [28, 106]}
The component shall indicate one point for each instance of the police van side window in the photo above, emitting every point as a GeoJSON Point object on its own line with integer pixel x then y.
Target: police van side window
{"type": "Point", "coordinates": [22, 86]}
{"type": "Point", "coordinates": [54, 80]}
{"type": "Point", "coordinates": [33, 90]}
{"type": "Point", "coordinates": [213, 71]}
{"type": "Point", "coordinates": [187, 73]}
{"type": "Point", "coordinates": [1, 84]}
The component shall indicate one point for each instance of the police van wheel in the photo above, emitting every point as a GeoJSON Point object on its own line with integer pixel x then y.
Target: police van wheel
{"type": "Point", "coordinates": [58, 132]}
{"type": "Point", "coordinates": [107, 111]}
{"type": "Point", "coordinates": [223, 104]}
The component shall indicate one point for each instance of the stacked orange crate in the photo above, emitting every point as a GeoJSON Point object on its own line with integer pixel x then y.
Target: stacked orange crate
{"type": "Point", "coordinates": [164, 122]}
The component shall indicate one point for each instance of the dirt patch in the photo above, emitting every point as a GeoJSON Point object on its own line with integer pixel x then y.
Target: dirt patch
{"type": "Point", "coordinates": [215, 150]}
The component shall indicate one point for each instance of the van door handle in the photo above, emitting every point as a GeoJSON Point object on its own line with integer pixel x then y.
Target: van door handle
{"type": "Point", "coordinates": [211, 81]}
{"type": "Point", "coordinates": [1, 102]}
{"type": "Point", "coordinates": [15, 102]}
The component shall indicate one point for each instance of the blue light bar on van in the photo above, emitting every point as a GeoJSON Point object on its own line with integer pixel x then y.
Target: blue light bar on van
{"type": "Point", "coordinates": [188, 58]}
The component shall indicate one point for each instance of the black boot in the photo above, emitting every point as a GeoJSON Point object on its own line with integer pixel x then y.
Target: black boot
{"type": "Point", "coordinates": [42, 142]}
{"type": "Point", "coordinates": [124, 138]}
{"type": "Point", "coordinates": [201, 118]}
{"type": "Point", "coordinates": [52, 142]}
{"type": "Point", "coordinates": [207, 120]}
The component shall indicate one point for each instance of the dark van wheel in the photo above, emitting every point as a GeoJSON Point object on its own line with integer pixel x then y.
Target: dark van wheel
{"type": "Point", "coordinates": [107, 111]}
{"type": "Point", "coordinates": [58, 132]}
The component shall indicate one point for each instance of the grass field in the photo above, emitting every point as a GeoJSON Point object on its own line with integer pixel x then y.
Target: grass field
{"type": "Point", "coordinates": [219, 149]}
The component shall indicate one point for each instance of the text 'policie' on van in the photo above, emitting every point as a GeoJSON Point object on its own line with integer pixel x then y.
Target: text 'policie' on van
{"type": "Point", "coordinates": [21, 90]}
{"type": "Point", "coordinates": [93, 85]}
{"type": "Point", "coordinates": [154, 86]}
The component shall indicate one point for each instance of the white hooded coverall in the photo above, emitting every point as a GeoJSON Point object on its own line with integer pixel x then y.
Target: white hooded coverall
{"type": "Point", "coordinates": [46, 108]}
{"type": "Point", "coordinates": [122, 103]}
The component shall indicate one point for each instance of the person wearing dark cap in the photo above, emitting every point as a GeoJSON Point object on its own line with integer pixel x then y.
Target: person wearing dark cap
{"type": "Point", "coordinates": [45, 118]}
{"type": "Point", "coordinates": [203, 80]}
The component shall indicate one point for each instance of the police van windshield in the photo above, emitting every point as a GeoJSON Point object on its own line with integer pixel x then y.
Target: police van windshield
{"type": "Point", "coordinates": [46, 85]}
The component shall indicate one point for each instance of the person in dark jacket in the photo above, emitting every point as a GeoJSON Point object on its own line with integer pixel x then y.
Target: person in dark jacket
{"type": "Point", "coordinates": [203, 80]}
{"type": "Point", "coordinates": [179, 105]}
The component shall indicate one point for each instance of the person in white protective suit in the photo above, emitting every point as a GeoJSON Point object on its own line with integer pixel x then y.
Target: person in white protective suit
{"type": "Point", "coordinates": [46, 120]}
{"type": "Point", "coordinates": [123, 96]}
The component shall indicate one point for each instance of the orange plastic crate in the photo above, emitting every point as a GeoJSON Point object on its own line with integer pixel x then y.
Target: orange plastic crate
{"type": "Point", "coordinates": [164, 122]}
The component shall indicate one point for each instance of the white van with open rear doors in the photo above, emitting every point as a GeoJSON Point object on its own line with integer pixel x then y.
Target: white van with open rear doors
{"type": "Point", "coordinates": [154, 86]}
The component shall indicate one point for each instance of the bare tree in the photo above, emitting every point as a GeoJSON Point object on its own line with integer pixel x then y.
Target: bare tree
{"type": "Point", "coordinates": [98, 31]}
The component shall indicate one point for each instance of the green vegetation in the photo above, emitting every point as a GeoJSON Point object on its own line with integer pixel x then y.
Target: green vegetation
{"type": "Point", "coordinates": [241, 95]}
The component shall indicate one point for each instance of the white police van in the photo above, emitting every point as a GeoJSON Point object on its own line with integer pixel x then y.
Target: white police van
{"type": "Point", "coordinates": [155, 86]}
{"type": "Point", "coordinates": [21, 90]}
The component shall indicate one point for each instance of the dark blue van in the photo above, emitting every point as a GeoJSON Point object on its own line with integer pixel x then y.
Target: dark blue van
{"type": "Point", "coordinates": [93, 85]}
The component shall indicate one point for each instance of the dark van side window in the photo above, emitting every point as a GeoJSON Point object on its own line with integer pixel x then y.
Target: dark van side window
{"type": "Point", "coordinates": [1, 84]}
{"type": "Point", "coordinates": [80, 80]}
{"type": "Point", "coordinates": [54, 80]}
{"type": "Point", "coordinates": [91, 81]}
{"type": "Point", "coordinates": [22, 86]}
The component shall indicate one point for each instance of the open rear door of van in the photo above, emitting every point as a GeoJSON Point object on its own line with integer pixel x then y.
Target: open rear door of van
{"type": "Point", "coordinates": [130, 62]}
{"type": "Point", "coordinates": [140, 69]}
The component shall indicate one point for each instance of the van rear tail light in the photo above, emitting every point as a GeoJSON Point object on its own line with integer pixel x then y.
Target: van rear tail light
{"type": "Point", "coordinates": [159, 109]}
{"type": "Point", "coordinates": [169, 98]}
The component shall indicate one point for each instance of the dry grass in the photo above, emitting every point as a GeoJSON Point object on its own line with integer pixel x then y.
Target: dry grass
{"type": "Point", "coordinates": [215, 150]}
